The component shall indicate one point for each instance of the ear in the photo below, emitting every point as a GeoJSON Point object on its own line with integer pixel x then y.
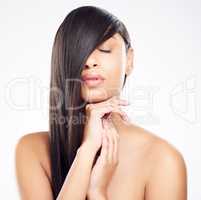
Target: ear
{"type": "Point", "coordinates": [129, 63]}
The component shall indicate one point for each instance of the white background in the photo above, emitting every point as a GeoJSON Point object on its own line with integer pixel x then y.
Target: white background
{"type": "Point", "coordinates": [164, 88]}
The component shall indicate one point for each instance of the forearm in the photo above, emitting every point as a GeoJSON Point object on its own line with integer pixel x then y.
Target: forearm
{"type": "Point", "coordinates": [97, 197]}
{"type": "Point", "coordinates": [77, 180]}
{"type": "Point", "coordinates": [100, 198]}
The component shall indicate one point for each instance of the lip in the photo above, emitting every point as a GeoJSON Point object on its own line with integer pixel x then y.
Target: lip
{"type": "Point", "coordinates": [93, 80]}
{"type": "Point", "coordinates": [92, 77]}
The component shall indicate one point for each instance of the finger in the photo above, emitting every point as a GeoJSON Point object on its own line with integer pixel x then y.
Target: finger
{"type": "Point", "coordinates": [120, 101]}
{"type": "Point", "coordinates": [123, 114]}
{"type": "Point", "coordinates": [102, 108]}
{"type": "Point", "coordinates": [107, 109]}
{"type": "Point", "coordinates": [114, 134]}
{"type": "Point", "coordinates": [104, 124]}
{"type": "Point", "coordinates": [104, 149]}
{"type": "Point", "coordinates": [110, 148]}
{"type": "Point", "coordinates": [110, 101]}
{"type": "Point", "coordinates": [110, 136]}
{"type": "Point", "coordinates": [116, 147]}
{"type": "Point", "coordinates": [112, 129]}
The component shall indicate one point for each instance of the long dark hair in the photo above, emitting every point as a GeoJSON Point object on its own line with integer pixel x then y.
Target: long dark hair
{"type": "Point", "coordinates": [83, 29]}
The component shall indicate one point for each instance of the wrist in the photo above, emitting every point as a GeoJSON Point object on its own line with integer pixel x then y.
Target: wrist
{"type": "Point", "coordinates": [97, 196]}
{"type": "Point", "coordinates": [87, 149]}
{"type": "Point", "coordinates": [88, 146]}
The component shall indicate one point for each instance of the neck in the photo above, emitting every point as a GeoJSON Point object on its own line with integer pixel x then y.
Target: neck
{"type": "Point", "coordinates": [118, 122]}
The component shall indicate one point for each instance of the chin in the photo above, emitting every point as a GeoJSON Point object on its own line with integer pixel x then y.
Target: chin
{"type": "Point", "coordinates": [94, 95]}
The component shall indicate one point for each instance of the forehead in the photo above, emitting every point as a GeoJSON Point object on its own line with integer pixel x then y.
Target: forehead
{"type": "Point", "coordinates": [116, 38]}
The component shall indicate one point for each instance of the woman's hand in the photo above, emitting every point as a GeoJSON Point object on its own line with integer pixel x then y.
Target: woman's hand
{"type": "Point", "coordinates": [106, 162]}
{"type": "Point", "coordinates": [95, 112]}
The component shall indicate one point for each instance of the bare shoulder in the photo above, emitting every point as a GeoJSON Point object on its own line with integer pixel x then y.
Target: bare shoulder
{"type": "Point", "coordinates": [32, 165]}
{"type": "Point", "coordinates": [166, 167]}
{"type": "Point", "coordinates": [34, 138]}
{"type": "Point", "coordinates": [37, 142]}
{"type": "Point", "coordinates": [37, 145]}
{"type": "Point", "coordinates": [158, 148]}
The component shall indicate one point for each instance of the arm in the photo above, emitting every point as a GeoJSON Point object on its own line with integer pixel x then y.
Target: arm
{"type": "Point", "coordinates": [76, 183]}
{"type": "Point", "coordinates": [33, 183]}
{"type": "Point", "coordinates": [168, 178]}
{"type": "Point", "coordinates": [97, 196]}
{"type": "Point", "coordinates": [32, 179]}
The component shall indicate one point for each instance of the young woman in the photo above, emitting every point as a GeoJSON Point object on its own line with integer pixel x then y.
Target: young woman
{"type": "Point", "coordinates": [91, 150]}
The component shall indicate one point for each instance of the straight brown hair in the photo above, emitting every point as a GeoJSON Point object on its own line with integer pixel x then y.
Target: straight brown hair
{"type": "Point", "coordinates": [82, 30]}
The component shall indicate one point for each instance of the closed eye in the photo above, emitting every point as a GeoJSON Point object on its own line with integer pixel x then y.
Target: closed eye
{"type": "Point", "coordinates": [105, 51]}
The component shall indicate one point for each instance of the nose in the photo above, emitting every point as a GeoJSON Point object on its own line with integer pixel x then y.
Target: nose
{"type": "Point", "coordinates": [90, 65]}
{"type": "Point", "coordinates": [91, 62]}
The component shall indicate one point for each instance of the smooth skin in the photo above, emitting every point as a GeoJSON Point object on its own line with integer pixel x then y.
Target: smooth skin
{"type": "Point", "coordinates": [105, 164]}
{"type": "Point", "coordinates": [92, 142]}
{"type": "Point", "coordinates": [80, 170]}
{"type": "Point", "coordinates": [148, 167]}
{"type": "Point", "coordinates": [157, 170]}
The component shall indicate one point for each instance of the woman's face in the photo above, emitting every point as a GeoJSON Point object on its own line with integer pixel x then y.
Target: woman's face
{"type": "Point", "coordinates": [111, 62]}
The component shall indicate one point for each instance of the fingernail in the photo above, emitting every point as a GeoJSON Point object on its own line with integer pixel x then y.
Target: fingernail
{"type": "Point", "coordinates": [126, 117]}
{"type": "Point", "coordinates": [126, 101]}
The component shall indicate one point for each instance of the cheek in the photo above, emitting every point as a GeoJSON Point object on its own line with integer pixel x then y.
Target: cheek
{"type": "Point", "coordinates": [116, 67]}
{"type": "Point", "coordinates": [114, 64]}
{"type": "Point", "coordinates": [115, 71]}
